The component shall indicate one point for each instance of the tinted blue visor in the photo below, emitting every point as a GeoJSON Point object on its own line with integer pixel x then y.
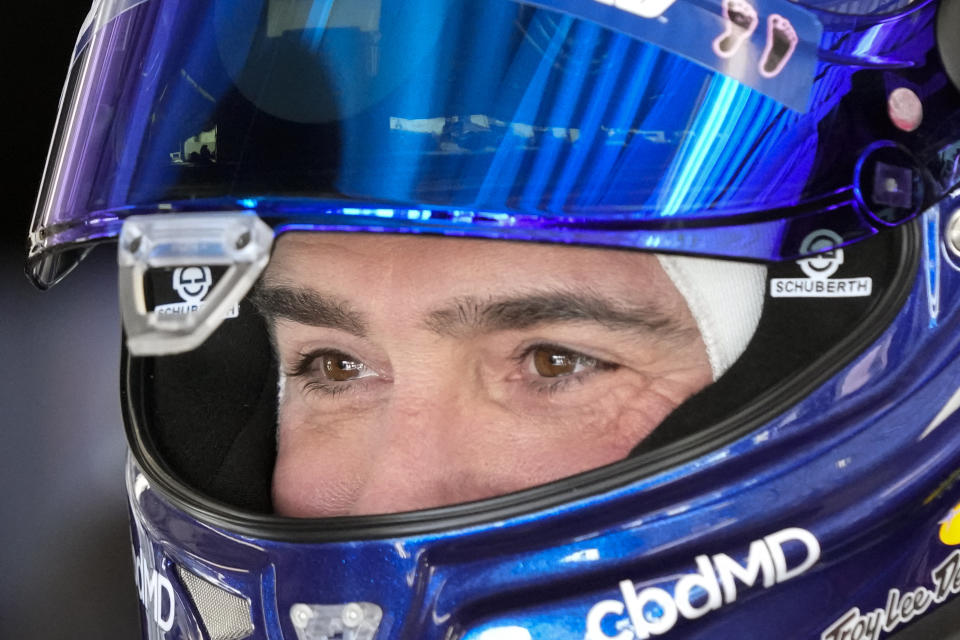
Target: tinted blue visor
{"type": "Point", "coordinates": [492, 119]}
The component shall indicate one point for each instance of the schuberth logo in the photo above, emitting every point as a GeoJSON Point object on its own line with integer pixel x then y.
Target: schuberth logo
{"type": "Point", "coordinates": [192, 284]}
{"type": "Point", "coordinates": [819, 268]}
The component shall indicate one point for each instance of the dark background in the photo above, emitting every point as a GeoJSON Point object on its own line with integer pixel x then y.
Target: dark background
{"type": "Point", "coordinates": [64, 542]}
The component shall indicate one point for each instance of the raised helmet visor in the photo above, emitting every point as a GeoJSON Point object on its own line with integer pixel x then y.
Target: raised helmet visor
{"type": "Point", "coordinates": [580, 122]}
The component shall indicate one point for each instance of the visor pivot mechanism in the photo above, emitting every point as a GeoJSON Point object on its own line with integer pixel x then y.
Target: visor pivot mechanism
{"type": "Point", "coordinates": [889, 184]}
{"type": "Point", "coordinates": [194, 243]}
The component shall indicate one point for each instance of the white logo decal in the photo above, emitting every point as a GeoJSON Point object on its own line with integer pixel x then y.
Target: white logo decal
{"type": "Point", "coordinates": [642, 8]}
{"type": "Point", "coordinates": [901, 608]}
{"type": "Point", "coordinates": [654, 611]}
{"type": "Point", "coordinates": [156, 593]}
{"type": "Point", "coordinates": [192, 284]}
{"type": "Point", "coordinates": [823, 265]}
{"type": "Point", "coordinates": [818, 269]}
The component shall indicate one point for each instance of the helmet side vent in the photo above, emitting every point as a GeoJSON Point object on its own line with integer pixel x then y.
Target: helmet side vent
{"type": "Point", "coordinates": [225, 616]}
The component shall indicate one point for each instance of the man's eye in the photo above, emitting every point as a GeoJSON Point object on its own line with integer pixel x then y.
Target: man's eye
{"type": "Point", "coordinates": [330, 366]}
{"type": "Point", "coordinates": [556, 362]}
{"type": "Point", "coordinates": [551, 363]}
{"type": "Point", "coordinates": [338, 367]}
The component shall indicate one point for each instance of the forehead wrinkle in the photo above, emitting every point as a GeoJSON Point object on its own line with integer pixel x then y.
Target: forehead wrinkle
{"type": "Point", "coordinates": [468, 314]}
{"type": "Point", "coordinates": [307, 306]}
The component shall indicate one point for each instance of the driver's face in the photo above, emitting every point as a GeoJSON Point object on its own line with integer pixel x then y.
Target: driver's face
{"type": "Point", "coordinates": [422, 372]}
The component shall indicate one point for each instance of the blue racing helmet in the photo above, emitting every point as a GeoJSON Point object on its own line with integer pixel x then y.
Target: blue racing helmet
{"type": "Point", "coordinates": [758, 201]}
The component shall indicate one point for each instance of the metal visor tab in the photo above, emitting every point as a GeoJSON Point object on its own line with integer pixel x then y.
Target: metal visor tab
{"type": "Point", "coordinates": [189, 244]}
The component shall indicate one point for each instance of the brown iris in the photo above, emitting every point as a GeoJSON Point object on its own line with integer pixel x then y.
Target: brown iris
{"type": "Point", "coordinates": [338, 367]}
{"type": "Point", "coordinates": [554, 363]}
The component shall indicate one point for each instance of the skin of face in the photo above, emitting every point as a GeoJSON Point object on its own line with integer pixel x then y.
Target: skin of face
{"type": "Point", "coordinates": [418, 372]}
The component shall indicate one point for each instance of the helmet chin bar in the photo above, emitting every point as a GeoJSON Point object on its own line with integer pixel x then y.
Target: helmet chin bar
{"type": "Point", "coordinates": [240, 241]}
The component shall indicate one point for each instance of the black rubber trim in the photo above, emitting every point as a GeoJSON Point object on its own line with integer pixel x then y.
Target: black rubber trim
{"type": "Point", "coordinates": [595, 482]}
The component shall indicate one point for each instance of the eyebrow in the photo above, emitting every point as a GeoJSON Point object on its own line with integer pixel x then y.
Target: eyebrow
{"type": "Point", "coordinates": [308, 307]}
{"type": "Point", "coordinates": [469, 315]}
{"type": "Point", "coordinates": [473, 315]}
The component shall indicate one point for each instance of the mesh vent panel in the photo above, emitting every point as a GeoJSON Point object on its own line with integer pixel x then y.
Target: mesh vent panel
{"type": "Point", "coordinates": [225, 615]}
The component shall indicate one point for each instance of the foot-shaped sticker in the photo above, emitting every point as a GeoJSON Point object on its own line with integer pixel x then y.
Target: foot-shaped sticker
{"type": "Point", "coordinates": [781, 43]}
{"type": "Point", "coordinates": [739, 20]}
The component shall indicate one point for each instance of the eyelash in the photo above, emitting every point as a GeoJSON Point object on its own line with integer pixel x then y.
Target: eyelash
{"type": "Point", "coordinates": [329, 390]}
{"type": "Point", "coordinates": [561, 383]}
{"type": "Point", "coordinates": [315, 384]}
{"type": "Point", "coordinates": [558, 385]}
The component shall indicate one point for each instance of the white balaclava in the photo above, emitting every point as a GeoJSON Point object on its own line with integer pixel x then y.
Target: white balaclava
{"type": "Point", "coordinates": [725, 298]}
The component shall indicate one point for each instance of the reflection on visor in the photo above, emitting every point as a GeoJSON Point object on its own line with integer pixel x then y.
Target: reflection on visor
{"type": "Point", "coordinates": [502, 120]}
